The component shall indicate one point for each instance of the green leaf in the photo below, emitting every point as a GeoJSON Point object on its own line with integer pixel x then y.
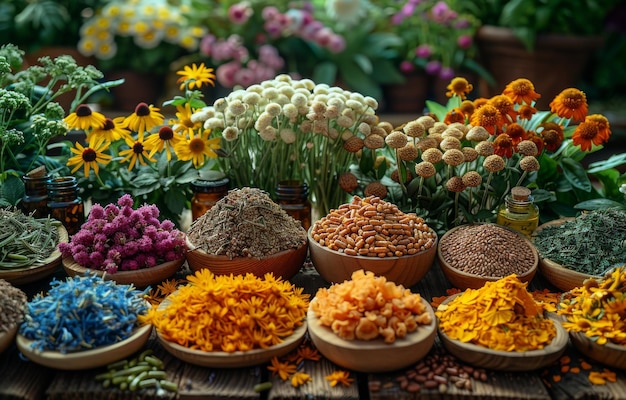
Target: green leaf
{"type": "Point", "coordinates": [616, 160]}
{"type": "Point", "coordinates": [12, 189]}
{"type": "Point", "coordinates": [325, 72]}
{"type": "Point", "coordinates": [599, 204]}
{"type": "Point", "coordinates": [175, 201]}
{"type": "Point", "coordinates": [575, 174]}
{"type": "Point", "coordinates": [437, 109]}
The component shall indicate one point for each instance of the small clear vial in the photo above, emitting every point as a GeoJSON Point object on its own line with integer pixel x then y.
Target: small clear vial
{"type": "Point", "coordinates": [207, 192]}
{"type": "Point", "coordinates": [293, 197]}
{"type": "Point", "coordinates": [65, 204]}
{"type": "Point", "coordinates": [519, 212]}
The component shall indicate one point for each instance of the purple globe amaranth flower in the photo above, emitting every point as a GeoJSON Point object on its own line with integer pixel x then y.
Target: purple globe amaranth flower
{"type": "Point", "coordinates": [462, 23]}
{"type": "Point", "coordinates": [406, 67]}
{"type": "Point", "coordinates": [206, 45]}
{"type": "Point", "coordinates": [423, 51]}
{"type": "Point", "coordinates": [446, 73]}
{"type": "Point", "coordinates": [464, 41]}
{"type": "Point", "coordinates": [336, 44]}
{"type": "Point", "coordinates": [432, 67]}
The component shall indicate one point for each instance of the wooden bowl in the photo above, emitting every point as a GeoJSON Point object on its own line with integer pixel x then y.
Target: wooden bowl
{"type": "Point", "coordinates": [237, 359]}
{"type": "Point", "coordinates": [37, 271]}
{"type": "Point", "coordinates": [284, 264]}
{"type": "Point", "coordinates": [483, 357]}
{"type": "Point", "coordinates": [7, 337]}
{"type": "Point", "coordinates": [373, 356]}
{"type": "Point", "coordinates": [86, 359]}
{"type": "Point", "coordinates": [139, 278]}
{"type": "Point", "coordinates": [558, 275]}
{"type": "Point", "coordinates": [464, 280]}
{"type": "Point", "coordinates": [609, 354]}
{"type": "Point", "coordinates": [336, 267]}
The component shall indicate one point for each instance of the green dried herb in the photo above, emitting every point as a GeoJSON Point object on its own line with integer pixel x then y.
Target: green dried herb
{"type": "Point", "coordinates": [592, 243]}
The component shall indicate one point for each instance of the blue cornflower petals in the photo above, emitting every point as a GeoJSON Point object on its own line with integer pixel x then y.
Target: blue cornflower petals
{"type": "Point", "coordinates": [82, 313]}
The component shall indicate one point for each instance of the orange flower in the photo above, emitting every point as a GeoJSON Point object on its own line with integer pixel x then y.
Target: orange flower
{"type": "Point", "coordinates": [503, 145]}
{"type": "Point", "coordinates": [516, 132]}
{"type": "Point", "coordinates": [521, 91]}
{"type": "Point", "coordinates": [506, 108]}
{"type": "Point", "coordinates": [339, 378]}
{"type": "Point", "coordinates": [454, 115]}
{"type": "Point", "coordinates": [586, 134]}
{"type": "Point", "coordinates": [460, 87]}
{"type": "Point", "coordinates": [604, 128]}
{"type": "Point", "coordinates": [488, 117]}
{"type": "Point", "coordinates": [526, 112]}
{"type": "Point", "coordinates": [552, 134]}
{"type": "Point", "coordinates": [537, 139]}
{"type": "Point", "coordinates": [570, 103]}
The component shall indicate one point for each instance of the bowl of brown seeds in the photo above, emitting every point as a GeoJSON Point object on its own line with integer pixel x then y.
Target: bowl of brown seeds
{"type": "Point", "coordinates": [247, 232]}
{"type": "Point", "coordinates": [470, 255]}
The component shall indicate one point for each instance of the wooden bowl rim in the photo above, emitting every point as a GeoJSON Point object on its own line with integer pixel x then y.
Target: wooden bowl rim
{"type": "Point", "coordinates": [464, 274]}
{"type": "Point", "coordinates": [314, 243]}
{"type": "Point", "coordinates": [69, 262]}
{"type": "Point", "coordinates": [191, 248]}
{"type": "Point", "coordinates": [6, 337]}
{"type": "Point", "coordinates": [558, 343]}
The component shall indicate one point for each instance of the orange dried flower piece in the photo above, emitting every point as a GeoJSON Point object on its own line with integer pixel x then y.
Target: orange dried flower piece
{"type": "Point", "coordinates": [502, 315]}
{"type": "Point", "coordinates": [231, 313]}
{"type": "Point", "coordinates": [339, 378]}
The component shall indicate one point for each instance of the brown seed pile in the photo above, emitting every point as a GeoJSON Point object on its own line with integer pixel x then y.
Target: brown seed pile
{"type": "Point", "coordinates": [438, 371]}
{"type": "Point", "coordinates": [246, 223]}
{"type": "Point", "coordinates": [487, 250]}
{"type": "Point", "coordinates": [12, 305]}
{"type": "Point", "coordinates": [372, 227]}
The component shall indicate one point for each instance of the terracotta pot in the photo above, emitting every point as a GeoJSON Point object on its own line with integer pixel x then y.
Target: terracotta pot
{"type": "Point", "coordinates": [556, 63]}
{"type": "Point", "coordinates": [408, 97]}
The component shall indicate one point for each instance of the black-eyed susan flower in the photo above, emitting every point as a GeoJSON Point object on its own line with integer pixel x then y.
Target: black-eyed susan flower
{"type": "Point", "coordinates": [183, 123]}
{"type": "Point", "coordinates": [137, 153]}
{"type": "Point", "coordinates": [197, 148]}
{"type": "Point", "coordinates": [570, 103]}
{"type": "Point", "coordinates": [195, 76]}
{"type": "Point", "coordinates": [89, 157]}
{"type": "Point", "coordinates": [163, 140]}
{"type": "Point", "coordinates": [143, 119]}
{"type": "Point", "coordinates": [84, 118]}
{"type": "Point", "coordinates": [111, 130]}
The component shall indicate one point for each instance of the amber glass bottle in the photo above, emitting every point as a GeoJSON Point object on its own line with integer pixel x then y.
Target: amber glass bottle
{"type": "Point", "coordinates": [293, 197]}
{"type": "Point", "coordinates": [519, 212]}
{"type": "Point", "coordinates": [207, 192]}
{"type": "Point", "coordinates": [65, 204]}
{"type": "Point", "coordinates": [35, 199]}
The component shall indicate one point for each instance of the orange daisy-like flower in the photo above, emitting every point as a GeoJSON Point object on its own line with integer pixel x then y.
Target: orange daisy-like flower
{"type": "Point", "coordinates": [521, 91]}
{"type": "Point", "coordinates": [488, 117]}
{"type": "Point", "coordinates": [339, 378]}
{"type": "Point", "coordinates": [570, 103]}
{"type": "Point", "coordinates": [454, 115]}
{"type": "Point", "coordinates": [467, 108]}
{"type": "Point", "coordinates": [505, 106]}
{"type": "Point", "coordinates": [586, 134]}
{"type": "Point", "coordinates": [503, 145]}
{"type": "Point", "coordinates": [604, 128]}
{"type": "Point", "coordinates": [516, 132]}
{"type": "Point", "coordinates": [552, 134]}
{"type": "Point", "coordinates": [526, 112]}
{"type": "Point", "coordinates": [460, 87]}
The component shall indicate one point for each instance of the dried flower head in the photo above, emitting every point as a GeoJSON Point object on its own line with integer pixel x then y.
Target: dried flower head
{"type": "Point", "coordinates": [376, 189]}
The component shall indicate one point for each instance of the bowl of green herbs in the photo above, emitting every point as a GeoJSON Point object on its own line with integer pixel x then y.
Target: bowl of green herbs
{"type": "Point", "coordinates": [574, 249]}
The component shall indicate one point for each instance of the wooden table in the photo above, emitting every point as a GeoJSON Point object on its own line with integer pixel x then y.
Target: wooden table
{"type": "Point", "coordinates": [23, 379]}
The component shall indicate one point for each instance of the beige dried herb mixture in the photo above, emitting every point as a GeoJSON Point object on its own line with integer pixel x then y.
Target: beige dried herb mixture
{"type": "Point", "coordinates": [246, 223]}
{"type": "Point", "coordinates": [12, 305]}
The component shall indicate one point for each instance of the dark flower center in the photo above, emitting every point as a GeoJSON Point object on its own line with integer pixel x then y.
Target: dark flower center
{"type": "Point", "coordinates": [166, 133]}
{"type": "Point", "coordinates": [196, 146]}
{"type": "Point", "coordinates": [83, 110]}
{"type": "Point", "coordinates": [138, 148]}
{"type": "Point", "coordinates": [108, 124]}
{"type": "Point", "coordinates": [89, 155]}
{"type": "Point", "coordinates": [142, 110]}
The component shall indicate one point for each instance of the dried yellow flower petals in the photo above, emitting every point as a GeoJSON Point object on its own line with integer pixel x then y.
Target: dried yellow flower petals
{"type": "Point", "coordinates": [231, 313]}
{"type": "Point", "coordinates": [502, 315]}
{"type": "Point", "coordinates": [339, 378]}
{"type": "Point", "coordinates": [300, 378]}
{"type": "Point", "coordinates": [282, 369]}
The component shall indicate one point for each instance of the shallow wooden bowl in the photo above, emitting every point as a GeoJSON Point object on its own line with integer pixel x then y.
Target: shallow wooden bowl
{"type": "Point", "coordinates": [139, 278]}
{"type": "Point", "coordinates": [285, 264]}
{"type": "Point", "coordinates": [237, 359]}
{"type": "Point", "coordinates": [336, 267]}
{"type": "Point", "coordinates": [483, 357]}
{"type": "Point", "coordinates": [558, 275]}
{"type": "Point", "coordinates": [86, 359]}
{"type": "Point", "coordinates": [464, 280]}
{"type": "Point", "coordinates": [373, 356]}
{"type": "Point", "coordinates": [609, 354]}
{"type": "Point", "coordinates": [7, 337]}
{"type": "Point", "coordinates": [37, 271]}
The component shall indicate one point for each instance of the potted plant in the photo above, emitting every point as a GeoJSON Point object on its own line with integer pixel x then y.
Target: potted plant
{"type": "Point", "coordinates": [548, 42]}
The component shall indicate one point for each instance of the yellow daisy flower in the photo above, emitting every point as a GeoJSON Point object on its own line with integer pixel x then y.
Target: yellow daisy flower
{"type": "Point", "coordinates": [136, 154]}
{"type": "Point", "coordinates": [183, 124]}
{"type": "Point", "coordinates": [91, 156]}
{"type": "Point", "coordinates": [144, 119]}
{"type": "Point", "coordinates": [195, 76]}
{"type": "Point", "coordinates": [197, 148]}
{"type": "Point", "coordinates": [83, 118]}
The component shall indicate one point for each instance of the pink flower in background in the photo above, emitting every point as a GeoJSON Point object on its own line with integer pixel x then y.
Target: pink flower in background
{"type": "Point", "coordinates": [225, 73]}
{"type": "Point", "coordinates": [446, 73]}
{"type": "Point", "coordinates": [407, 66]}
{"type": "Point", "coordinates": [337, 44]}
{"type": "Point", "coordinates": [433, 67]}
{"type": "Point", "coordinates": [464, 41]}
{"type": "Point", "coordinates": [240, 13]}
{"type": "Point", "coordinates": [423, 51]}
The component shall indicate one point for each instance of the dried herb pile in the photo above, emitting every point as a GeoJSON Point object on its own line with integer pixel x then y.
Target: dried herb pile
{"type": "Point", "coordinates": [592, 243]}
{"type": "Point", "coordinates": [246, 223]}
{"type": "Point", "coordinates": [25, 240]}
{"type": "Point", "coordinates": [12, 305]}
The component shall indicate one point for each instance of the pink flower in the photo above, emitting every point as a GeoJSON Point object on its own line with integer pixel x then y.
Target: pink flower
{"type": "Point", "coordinates": [240, 13]}
{"type": "Point", "coordinates": [406, 66]}
{"type": "Point", "coordinates": [423, 51]}
{"type": "Point", "coordinates": [245, 77]}
{"type": "Point", "coordinates": [432, 67]}
{"type": "Point", "coordinates": [337, 44]}
{"type": "Point", "coordinates": [225, 73]}
{"type": "Point", "coordinates": [464, 41]}
{"type": "Point", "coordinates": [446, 73]}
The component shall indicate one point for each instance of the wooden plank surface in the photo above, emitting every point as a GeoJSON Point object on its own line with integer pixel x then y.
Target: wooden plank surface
{"type": "Point", "coordinates": [22, 379]}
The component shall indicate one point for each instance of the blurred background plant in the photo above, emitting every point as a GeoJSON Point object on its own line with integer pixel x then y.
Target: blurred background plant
{"type": "Point", "coordinates": [30, 117]}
